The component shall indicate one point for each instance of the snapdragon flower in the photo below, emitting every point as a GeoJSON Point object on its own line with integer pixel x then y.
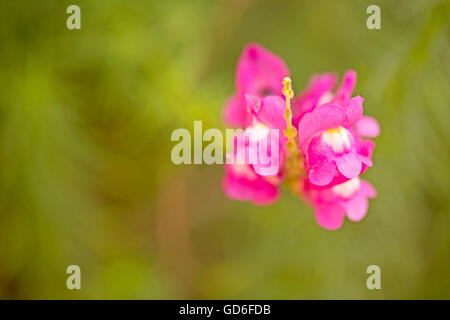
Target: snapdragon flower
{"type": "Point", "coordinates": [322, 148]}
{"type": "Point", "coordinates": [259, 73]}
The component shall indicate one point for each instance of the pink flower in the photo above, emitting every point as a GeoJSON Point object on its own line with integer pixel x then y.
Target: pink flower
{"type": "Point", "coordinates": [317, 93]}
{"type": "Point", "coordinates": [331, 153]}
{"type": "Point", "coordinates": [242, 183]}
{"type": "Point", "coordinates": [266, 131]}
{"type": "Point", "coordinates": [333, 204]}
{"type": "Point", "coordinates": [258, 180]}
{"type": "Point", "coordinates": [259, 73]}
{"type": "Point", "coordinates": [329, 134]}
{"type": "Point", "coordinates": [268, 111]}
{"type": "Point", "coordinates": [320, 91]}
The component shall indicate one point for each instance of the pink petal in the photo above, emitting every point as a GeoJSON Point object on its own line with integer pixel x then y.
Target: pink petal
{"type": "Point", "coordinates": [267, 194]}
{"type": "Point", "coordinates": [356, 207]}
{"type": "Point", "coordinates": [321, 83]}
{"type": "Point", "coordinates": [365, 161]}
{"type": "Point", "coordinates": [260, 72]}
{"type": "Point", "coordinates": [368, 127]}
{"type": "Point", "coordinates": [349, 165]}
{"type": "Point", "coordinates": [307, 100]}
{"type": "Point", "coordinates": [321, 172]}
{"type": "Point", "coordinates": [330, 216]}
{"type": "Point", "coordinates": [253, 103]}
{"type": "Point", "coordinates": [235, 113]}
{"type": "Point", "coordinates": [364, 149]}
{"type": "Point", "coordinates": [347, 86]}
{"type": "Point", "coordinates": [326, 117]}
{"type": "Point", "coordinates": [354, 110]}
{"type": "Point", "coordinates": [368, 190]}
{"type": "Point", "coordinates": [271, 112]}
{"type": "Point", "coordinates": [242, 188]}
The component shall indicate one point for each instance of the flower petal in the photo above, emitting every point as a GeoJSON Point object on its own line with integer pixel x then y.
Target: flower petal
{"type": "Point", "coordinates": [260, 72]}
{"type": "Point", "coordinates": [235, 113]}
{"type": "Point", "coordinates": [368, 190]}
{"type": "Point", "coordinates": [271, 112]}
{"type": "Point", "coordinates": [346, 89]}
{"type": "Point", "coordinates": [356, 207]}
{"type": "Point", "coordinates": [321, 172]}
{"type": "Point", "coordinates": [364, 150]}
{"type": "Point", "coordinates": [245, 187]}
{"type": "Point", "coordinates": [368, 127]}
{"type": "Point", "coordinates": [326, 117]}
{"type": "Point", "coordinates": [307, 100]}
{"type": "Point", "coordinates": [349, 165]}
{"type": "Point", "coordinates": [354, 110]}
{"type": "Point", "coordinates": [330, 216]}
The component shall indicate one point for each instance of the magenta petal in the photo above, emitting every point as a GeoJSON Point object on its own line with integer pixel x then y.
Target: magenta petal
{"type": "Point", "coordinates": [308, 99]}
{"type": "Point", "coordinates": [271, 112]}
{"type": "Point", "coordinates": [349, 165]}
{"type": "Point", "coordinates": [260, 72]}
{"type": "Point", "coordinates": [354, 110]}
{"type": "Point", "coordinates": [330, 216]}
{"type": "Point", "coordinates": [253, 103]}
{"type": "Point", "coordinates": [366, 161]}
{"type": "Point", "coordinates": [322, 172]}
{"type": "Point", "coordinates": [235, 113]}
{"type": "Point", "coordinates": [323, 118]}
{"type": "Point", "coordinates": [321, 83]}
{"type": "Point", "coordinates": [347, 86]}
{"type": "Point", "coordinates": [267, 194]}
{"type": "Point", "coordinates": [368, 190]}
{"type": "Point", "coordinates": [356, 208]}
{"type": "Point", "coordinates": [243, 188]}
{"type": "Point", "coordinates": [368, 127]}
{"type": "Point", "coordinates": [364, 150]}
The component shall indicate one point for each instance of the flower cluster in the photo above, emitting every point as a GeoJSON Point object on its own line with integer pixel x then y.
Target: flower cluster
{"type": "Point", "coordinates": [321, 151]}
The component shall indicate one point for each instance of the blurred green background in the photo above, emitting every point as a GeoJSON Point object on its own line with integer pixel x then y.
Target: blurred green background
{"type": "Point", "coordinates": [86, 176]}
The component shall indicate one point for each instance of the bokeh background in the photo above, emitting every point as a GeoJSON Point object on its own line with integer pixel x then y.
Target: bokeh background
{"type": "Point", "coordinates": [86, 176]}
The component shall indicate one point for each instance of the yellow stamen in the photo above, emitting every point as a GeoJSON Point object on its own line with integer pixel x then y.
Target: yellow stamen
{"type": "Point", "coordinates": [294, 160]}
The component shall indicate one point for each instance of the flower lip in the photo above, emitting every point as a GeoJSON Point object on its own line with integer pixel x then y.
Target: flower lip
{"type": "Point", "coordinates": [329, 116]}
{"type": "Point", "coordinates": [326, 117]}
{"type": "Point", "coordinates": [348, 188]}
{"type": "Point", "coordinates": [258, 131]}
{"type": "Point", "coordinates": [338, 139]}
{"type": "Point", "coordinates": [242, 170]}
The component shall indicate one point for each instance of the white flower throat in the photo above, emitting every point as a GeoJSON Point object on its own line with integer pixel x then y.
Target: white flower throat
{"type": "Point", "coordinates": [338, 139]}
{"type": "Point", "coordinates": [348, 188]}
